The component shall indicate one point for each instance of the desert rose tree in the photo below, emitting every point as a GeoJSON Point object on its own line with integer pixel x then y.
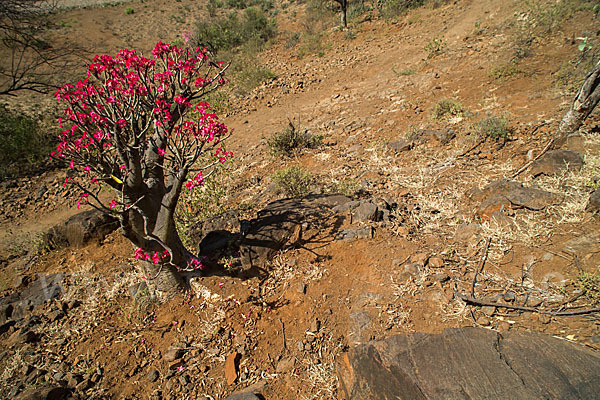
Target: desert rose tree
{"type": "Point", "coordinates": [136, 125]}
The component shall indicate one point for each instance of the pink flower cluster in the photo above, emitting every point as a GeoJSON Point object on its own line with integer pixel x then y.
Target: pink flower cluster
{"type": "Point", "coordinates": [196, 264]}
{"type": "Point", "coordinates": [197, 180]}
{"type": "Point", "coordinates": [223, 155]}
{"type": "Point", "coordinates": [157, 257]}
{"type": "Point", "coordinates": [108, 111]}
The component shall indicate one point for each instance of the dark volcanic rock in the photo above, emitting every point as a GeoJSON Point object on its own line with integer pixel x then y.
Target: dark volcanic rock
{"type": "Point", "coordinates": [503, 195]}
{"type": "Point", "coordinates": [18, 305]}
{"type": "Point", "coordinates": [470, 363]}
{"type": "Point", "coordinates": [243, 396]}
{"type": "Point", "coordinates": [46, 392]}
{"type": "Point", "coordinates": [217, 241]}
{"type": "Point", "coordinates": [81, 229]}
{"type": "Point", "coordinates": [228, 222]}
{"type": "Point", "coordinates": [531, 198]}
{"type": "Point", "coordinates": [281, 222]}
{"type": "Point", "coordinates": [555, 162]}
{"type": "Point", "coordinates": [400, 145]}
{"type": "Point", "coordinates": [593, 205]}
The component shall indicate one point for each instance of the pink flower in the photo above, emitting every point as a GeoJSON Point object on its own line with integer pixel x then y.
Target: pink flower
{"type": "Point", "coordinates": [186, 35]}
{"type": "Point", "coordinates": [82, 199]}
{"type": "Point", "coordinates": [161, 152]}
{"type": "Point", "coordinates": [112, 205]}
{"type": "Point", "coordinates": [196, 264]}
{"type": "Point", "coordinates": [140, 254]}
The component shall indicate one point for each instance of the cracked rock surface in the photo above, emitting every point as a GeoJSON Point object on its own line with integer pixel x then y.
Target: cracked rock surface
{"type": "Point", "coordinates": [470, 363]}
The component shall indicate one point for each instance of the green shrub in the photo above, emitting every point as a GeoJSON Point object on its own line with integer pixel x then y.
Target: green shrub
{"type": "Point", "coordinates": [24, 147]}
{"type": "Point", "coordinates": [293, 181]}
{"type": "Point", "coordinates": [226, 33]}
{"type": "Point", "coordinates": [239, 4]}
{"type": "Point", "coordinates": [347, 187]}
{"type": "Point", "coordinates": [404, 72]}
{"type": "Point", "coordinates": [312, 43]}
{"type": "Point", "coordinates": [129, 11]}
{"type": "Point", "coordinates": [589, 284]}
{"type": "Point", "coordinates": [435, 47]}
{"type": "Point", "coordinates": [504, 71]}
{"type": "Point", "coordinates": [395, 8]}
{"type": "Point", "coordinates": [292, 40]}
{"type": "Point", "coordinates": [446, 108]}
{"type": "Point", "coordinates": [291, 139]}
{"type": "Point", "coordinates": [250, 74]}
{"type": "Point", "coordinates": [493, 127]}
{"type": "Point", "coordinates": [264, 5]}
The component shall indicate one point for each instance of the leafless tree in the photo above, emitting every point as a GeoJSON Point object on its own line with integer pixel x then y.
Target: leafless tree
{"type": "Point", "coordinates": [344, 7]}
{"type": "Point", "coordinates": [28, 60]}
{"type": "Point", "coordinates": [585, 101]}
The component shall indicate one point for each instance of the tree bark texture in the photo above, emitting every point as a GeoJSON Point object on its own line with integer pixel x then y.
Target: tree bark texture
{"type": "Point", "coordinates": [584, 103]}
{"type": "Point", "coordinates": [150, 225]}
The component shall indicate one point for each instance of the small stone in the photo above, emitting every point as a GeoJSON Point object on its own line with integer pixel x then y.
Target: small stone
{"type": "Point", "coordinates": [173, 353]}
{"type": "Point", "coordinates": [285, 365]}
{"type": "Point", "coordinates": [301, 288]}
{"type": "Point", "coordinates": [152, 375]}
{"type": "Point", "coordinates": [440, 277]}
{"type": "Point", "coordinates": [534, 302]}
{"type": "Point", "coordinates": [315, 325]}
{"type": "Point", "coordinates": [545, 318]}
{"type": "Point", "coordinates": [509, 297]}
{"type": "Point", "coordinates": [420, 259]}
{"type": "Point", "coordinates": [547, 257]}
{"type": "Point", "coordinates": [411, 269]}
{"type": "Point", "coordinates": [595, 339]}
{"type": "Point", "coordinates": [300, 346]}
{"type": "Point", "coordinates": [488, 310]}
{"type": "Point", "coordinates": [436, 262]}
{"type": "Point", "coordinates": [483, 320]}
{"type": "Point", "coordinates": [231, 372]}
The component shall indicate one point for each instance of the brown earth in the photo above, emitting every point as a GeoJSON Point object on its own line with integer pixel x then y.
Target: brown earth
{"type": "Point", "coordinates": [406, 278]}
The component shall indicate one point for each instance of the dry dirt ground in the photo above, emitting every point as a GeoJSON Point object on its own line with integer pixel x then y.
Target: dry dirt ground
{"type": "Point", "coordinates": [363, 93]}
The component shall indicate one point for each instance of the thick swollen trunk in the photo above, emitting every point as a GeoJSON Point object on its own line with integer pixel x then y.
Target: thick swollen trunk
{"type": "Point", "coordinates": [584, 103]}
{"type": "Point", "coordinates": [150, 225]}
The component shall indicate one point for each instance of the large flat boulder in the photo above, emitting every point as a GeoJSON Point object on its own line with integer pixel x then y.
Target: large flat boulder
{"type": "Point", "coordinates": [470, 363]}
{"type": "Point", "coordinates": [556, 161]}
{"type": "Point", "coordinates": [81, 229]}
{"type": "Point", "coordinates": [281, 222]}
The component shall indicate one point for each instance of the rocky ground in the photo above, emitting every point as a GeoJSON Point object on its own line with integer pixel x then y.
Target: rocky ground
{"type": "Point", "coordinates": [416, 222]}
